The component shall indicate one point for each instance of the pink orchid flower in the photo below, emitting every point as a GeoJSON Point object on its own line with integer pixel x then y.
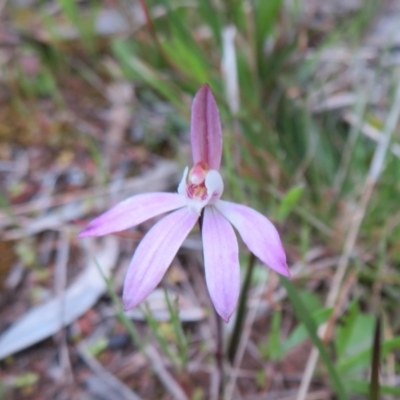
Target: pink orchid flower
{"type": "Point", "coordinates": [199, 192]}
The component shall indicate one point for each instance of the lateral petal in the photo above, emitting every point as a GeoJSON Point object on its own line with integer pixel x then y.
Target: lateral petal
{"type": "Point", "coordinates": [205, 130]}
{"type": "Point", "coordinates": [133, 211]}
{"type": "Point", "coordinates": [154, 255]}
{"type": "Point", "coordinates": [259, 234]}
{"type": "Point", "coordinates": [221, 262]}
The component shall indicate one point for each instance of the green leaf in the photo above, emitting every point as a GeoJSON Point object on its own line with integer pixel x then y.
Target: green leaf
{"type": "Point", "coordinates": [354, 340]}
{"type": "Point", "coordinates": [212, 17]}
{"type": "Point", "coordinates": [182, 34]}
{"type": "Point", "coordinates": [183, 341]}
{"type": "Point", "coordinates": [85, 24]}
{"type": "Point", "coordinates": [191, 64]}
{"type": "Point", "coordinates": [289, 201]}
{"type": "Point", "coordinates": [300, 333]}
{"type": "Point", "coordinates": [98, 346]}
{"type": "Point", "coordinates": [128, 324]}
{"type": "Point", "coordinates": [148, 74]}
{"type": "Point", "coordinates": [155, 328]}
{"type": "Point", "coordinates": [24, 380]}
{"type": "Point", "coordinates": [274, 338]}
{"type": "Point", "coordinates": [362, 387]}
{"type": "Point", "coordinates": [235, 13]}
{"type": "Point", "coordinates": [266, 14]}
{"type": "Point", "coordinates": [361, 360]}
{"type": "Point", "coordinates": [311, 301]}
{"type": "Point", "coordinates": [71, 10]}
{"type": "Point", "coordinates": [305, 317]}
{"type": "Point", "coordinates": [343, 332]}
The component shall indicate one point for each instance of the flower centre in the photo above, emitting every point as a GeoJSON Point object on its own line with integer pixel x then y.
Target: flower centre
{"type": "Point", "coordinates": [196, 188]}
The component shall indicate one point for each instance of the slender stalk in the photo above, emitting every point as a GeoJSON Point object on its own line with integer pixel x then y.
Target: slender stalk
{"type": "Point", "coordinates": [374, 387]}
{"type": "Point", "coordinates": [238, 328]}
{"type": "Point", "coordinates": [219, 354]}
{"type": "Point", "coordinates": [128, 324]}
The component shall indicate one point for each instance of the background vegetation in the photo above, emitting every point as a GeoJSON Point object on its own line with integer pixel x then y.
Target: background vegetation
{"type": "Point", "coordinates": [95, 95]}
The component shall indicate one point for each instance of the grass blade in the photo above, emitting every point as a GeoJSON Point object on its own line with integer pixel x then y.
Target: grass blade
{"type": "Point", "coordinates": [182, 340]}
{"type": "Point", "coordinates": [304, 316]}
{"type": "Point", "coordinates": [125, 321]}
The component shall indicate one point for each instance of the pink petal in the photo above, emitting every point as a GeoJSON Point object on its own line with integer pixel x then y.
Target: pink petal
{"type": "Point", "coordinates": [206, 132]}
{"type": "Point", "coordinates": [154, 255]}
{"type": "Point", "coordinates": [260, 236]}
{"type": "Point", "coordinates": [221, 262]}
{"type": "Point", "coordinates": [133, 211]}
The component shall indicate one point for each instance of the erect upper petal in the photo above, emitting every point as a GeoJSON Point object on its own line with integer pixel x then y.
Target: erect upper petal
{"type": "Point", "coordinates": [205, 130]}
{"type": "Point", "coordinates": [259, 234]}
{"type": "Point", "coordinates": [154, 254]}
{"type": "Point", "coordinates": [221, 262]}
{"type": "Point", "coordinates": [133, 211]}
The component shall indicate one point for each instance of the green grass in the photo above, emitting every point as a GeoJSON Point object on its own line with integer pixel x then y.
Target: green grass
{"type": "Point", "coordinates": [279, 156]}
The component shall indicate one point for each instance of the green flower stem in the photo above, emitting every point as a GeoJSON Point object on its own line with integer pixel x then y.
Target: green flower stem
{"type": "Point", "coordinates": [219, 355]}
{"type": "Point", "coordinates": [238, 328]}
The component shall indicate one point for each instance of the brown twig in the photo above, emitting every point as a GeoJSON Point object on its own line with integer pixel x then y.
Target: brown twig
{"type": "Point", "coordinates": [165, 377]}
{"type": "Point", "coordinates": [164, 175]}
{"type": "Point", "coordinates": [118, 388]}
{"type": "Point", "coordinates": [60, 283]}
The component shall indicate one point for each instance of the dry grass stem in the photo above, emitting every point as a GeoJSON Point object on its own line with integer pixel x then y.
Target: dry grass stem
{"type": "Point", "coordinates": [115, 386]}
{"type": "Point", "coordinates": [170, 384]}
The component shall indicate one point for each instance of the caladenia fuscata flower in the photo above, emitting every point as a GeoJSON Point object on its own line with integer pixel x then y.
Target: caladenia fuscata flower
{"type": "Point", "coordinates": [199, 194]}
